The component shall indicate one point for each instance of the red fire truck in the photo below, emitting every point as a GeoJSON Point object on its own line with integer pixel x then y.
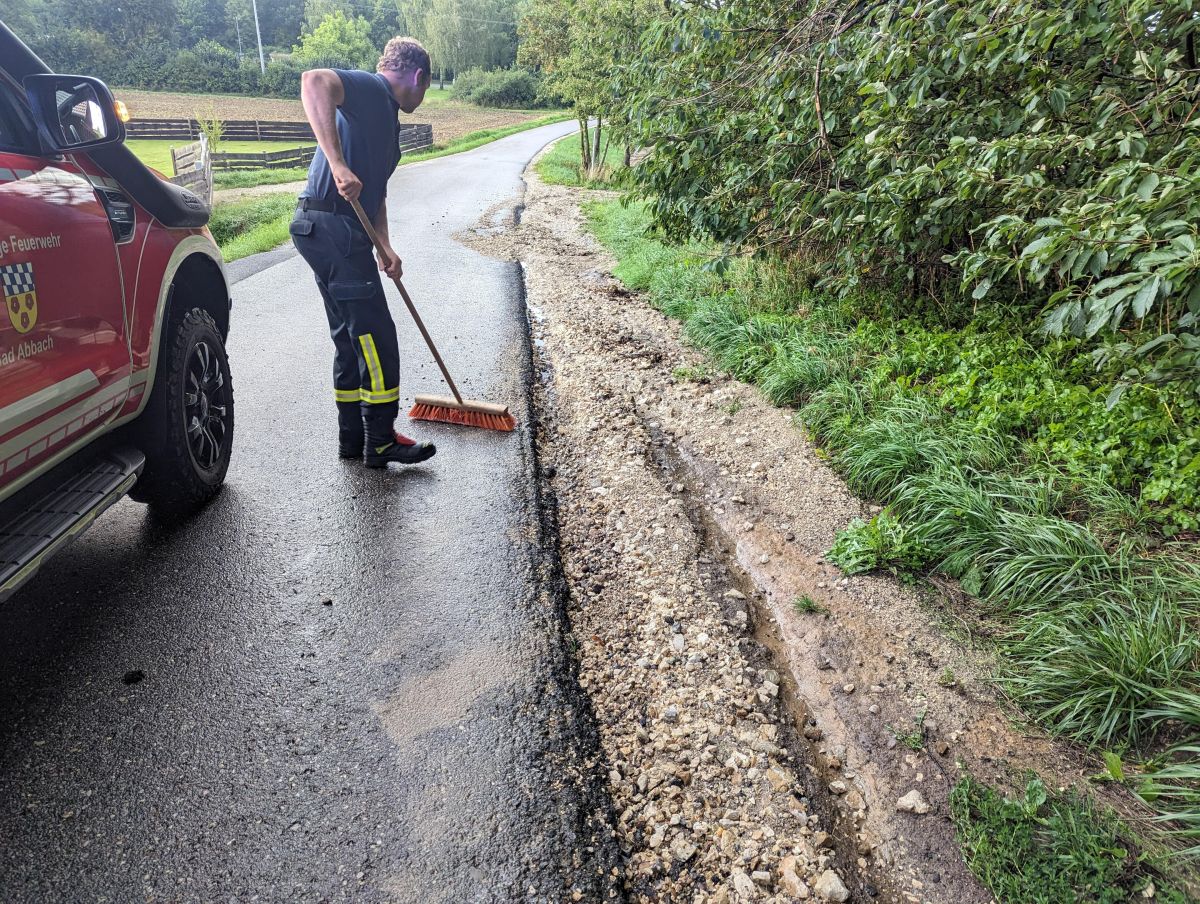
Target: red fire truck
{"type": "Point", "coordinates": [113, 374]}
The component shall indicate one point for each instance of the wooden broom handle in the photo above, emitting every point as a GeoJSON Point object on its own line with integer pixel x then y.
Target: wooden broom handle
{"type": "Point", "coordinates": [412, 309]}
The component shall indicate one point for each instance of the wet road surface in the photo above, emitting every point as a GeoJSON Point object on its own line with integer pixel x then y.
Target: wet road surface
{"type": "Point", "coordinates": [419, 739]}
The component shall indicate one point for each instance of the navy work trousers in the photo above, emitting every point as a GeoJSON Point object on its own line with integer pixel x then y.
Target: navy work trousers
{"type": "Point", "coordinates": [366, 356]}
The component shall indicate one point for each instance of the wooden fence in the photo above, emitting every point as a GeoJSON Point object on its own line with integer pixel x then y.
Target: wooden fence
{"type": "Point", "coordinates": [285, 159]}
{"type": "Point", "coordinates": [193, 168]}
{"type": "Point", "coordinates": [231, 129]}
{"type": "Point", "coordinates": [413, 136]}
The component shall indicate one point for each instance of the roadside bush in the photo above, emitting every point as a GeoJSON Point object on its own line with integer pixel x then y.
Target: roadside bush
{"type": "Point", "coordinates": [1014, 151]}
{"type": "Point", "coordinates": [515, 88]}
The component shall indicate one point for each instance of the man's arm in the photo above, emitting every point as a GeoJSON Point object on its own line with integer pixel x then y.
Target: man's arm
{"type": "Point", "coordinates": [391, 266]}
{"type": "Point", "coordinates": [321, 92]}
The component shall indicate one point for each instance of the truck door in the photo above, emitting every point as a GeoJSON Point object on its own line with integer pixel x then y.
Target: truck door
{"type": "Point", "coordinates": [64, 351]}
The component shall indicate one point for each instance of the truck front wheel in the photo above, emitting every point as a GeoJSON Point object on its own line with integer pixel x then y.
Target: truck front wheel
{"type": "Point", "coordinates": [186, 429]}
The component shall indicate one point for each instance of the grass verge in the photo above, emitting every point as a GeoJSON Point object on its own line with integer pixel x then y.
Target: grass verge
{"type": "Point", "coordinates": [251, 225]}
{"type": "Point", "coordinates": [1077, 581]}
{"type": "Point", "coordinates": [563, 164]}
{"type": "Point", "coordinates": [1048, 848]}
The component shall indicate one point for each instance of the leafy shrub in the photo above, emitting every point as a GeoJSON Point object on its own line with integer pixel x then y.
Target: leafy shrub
{"type": "Point", "coordinates": [1046, 849]}
{"type": "Point", "coordinates": [514, 88]}
{"type": "Point", "coordinates": [882, 542]}
{"type": "Point", "coordinates": [1042, 153]}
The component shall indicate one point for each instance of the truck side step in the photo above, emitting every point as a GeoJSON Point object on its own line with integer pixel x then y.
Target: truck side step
{"type": "Point", "coordinates": [61, 511]}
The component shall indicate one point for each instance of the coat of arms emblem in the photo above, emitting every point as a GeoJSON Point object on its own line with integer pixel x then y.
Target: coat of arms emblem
{"type": "Point", "coordinates": [20, 295]}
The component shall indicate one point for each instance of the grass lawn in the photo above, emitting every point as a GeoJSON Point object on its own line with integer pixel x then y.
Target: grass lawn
{"type": "Point", "coordinates": [156, 152]}
{"type": "Point", "coordinates": [562, 164]}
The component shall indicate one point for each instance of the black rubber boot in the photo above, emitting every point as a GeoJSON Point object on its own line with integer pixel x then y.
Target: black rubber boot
{"type": "Point", "coordinates": [385, 445]}
{"type": "Point", "coordinates": [351, 435]}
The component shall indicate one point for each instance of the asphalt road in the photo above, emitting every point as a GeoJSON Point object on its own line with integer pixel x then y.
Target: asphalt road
{"type": "Point", "coordinates": [419, 740]}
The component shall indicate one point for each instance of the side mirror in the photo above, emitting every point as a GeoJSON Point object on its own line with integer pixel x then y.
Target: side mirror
{"type": "Point", "coordinates": [74, 112]}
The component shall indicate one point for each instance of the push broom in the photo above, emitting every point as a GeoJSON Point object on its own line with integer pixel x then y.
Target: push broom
{"type": "Point", "coordinates": [440, 408]}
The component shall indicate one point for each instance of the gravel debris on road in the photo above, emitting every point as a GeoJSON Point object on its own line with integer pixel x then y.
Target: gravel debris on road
{"type": "Point", "coordinates": [754, 752]}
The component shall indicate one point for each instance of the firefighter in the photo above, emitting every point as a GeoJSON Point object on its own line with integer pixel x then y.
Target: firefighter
{"type": "Point", "coordinates": [354, 117]}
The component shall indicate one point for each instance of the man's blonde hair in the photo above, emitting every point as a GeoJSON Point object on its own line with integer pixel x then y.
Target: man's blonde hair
{"type": "Point", "coordinates": [404, 55]}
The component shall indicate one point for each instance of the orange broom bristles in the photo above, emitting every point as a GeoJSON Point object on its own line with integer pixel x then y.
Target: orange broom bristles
{"type": "Point", "coordinates": [450, 415]}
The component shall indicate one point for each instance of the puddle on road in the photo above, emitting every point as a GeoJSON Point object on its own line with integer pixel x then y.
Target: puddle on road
{"type": "Point", "coordinates": [442, 698]}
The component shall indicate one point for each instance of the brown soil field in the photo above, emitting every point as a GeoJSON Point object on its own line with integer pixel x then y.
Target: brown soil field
{"type": "Point", "coordinates": [450, 119]}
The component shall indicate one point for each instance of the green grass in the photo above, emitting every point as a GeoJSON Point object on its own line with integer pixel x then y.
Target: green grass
{"type": "Point", "coordinates": [470, 141]}
{"type": "Point", "coordinates": [562, 164]}
{"type": "Point", "coordinates": [250, 225]}
{"type": "Point", "coordinates": [251, 178]}
{"type": "Point", "coordinates": [806, 605]}
{"type": "Point", "coordinates": [1047, 849]}
{"type": "Point", "coordinates": [156, 153]}
{"type": "Point", "coordinates": [1093, 612]}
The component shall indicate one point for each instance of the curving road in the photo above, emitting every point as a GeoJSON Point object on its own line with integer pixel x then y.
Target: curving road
{"type": "Point", "coordinates": [419, 738]}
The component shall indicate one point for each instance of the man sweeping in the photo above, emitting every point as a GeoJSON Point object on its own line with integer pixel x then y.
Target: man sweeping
{"type": "Point", "coordinates": [354, 117]}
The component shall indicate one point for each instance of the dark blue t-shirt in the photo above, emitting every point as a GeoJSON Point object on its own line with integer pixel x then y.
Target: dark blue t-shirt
{"type": "Point", "coordinates": [370, 134]}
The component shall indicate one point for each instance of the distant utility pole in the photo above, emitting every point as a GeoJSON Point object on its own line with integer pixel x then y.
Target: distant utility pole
{"type": "Point", "coordinates": [262, 63]}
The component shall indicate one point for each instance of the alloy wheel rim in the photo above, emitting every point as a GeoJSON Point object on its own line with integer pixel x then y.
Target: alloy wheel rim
{"type": "Point", "coordinates": [205, 406]}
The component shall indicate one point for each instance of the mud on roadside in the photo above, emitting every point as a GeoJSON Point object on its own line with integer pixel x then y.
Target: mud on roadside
{"type": "Point", "coordinates": [754, 752]}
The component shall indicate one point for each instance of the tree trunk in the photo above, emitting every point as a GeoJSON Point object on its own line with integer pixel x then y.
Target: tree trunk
{"type": "Point", "coordinates": [585, 157]}
{"type": "Point", "coordinates": [627, 158]}
{"type": "Point", "coordinates": [441, 78]}
{"type": "Point", "coordinates": [597, 161]}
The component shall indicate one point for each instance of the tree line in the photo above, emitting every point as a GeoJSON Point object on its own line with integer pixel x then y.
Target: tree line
{"type": "Point", "coordinates": [210, 45]}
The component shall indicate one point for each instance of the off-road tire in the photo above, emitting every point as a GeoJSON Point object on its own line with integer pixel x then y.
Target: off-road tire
{"type": "Point", "coordinates": [179, 477]}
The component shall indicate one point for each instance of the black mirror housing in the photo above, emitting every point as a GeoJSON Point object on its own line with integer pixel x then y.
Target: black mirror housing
{"type": "Point", "coordinates": [73, 112]}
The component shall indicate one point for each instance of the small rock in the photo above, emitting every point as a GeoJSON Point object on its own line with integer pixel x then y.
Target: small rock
{"type": "Point", "coordinates": [743, 885]}
{"type": "Point", "coordinates": [873, 709]}
{"type": "Point", "coordinates": [764, 559]}
{"type": "Point", "coordinates": [678, 643]}
{"type": "Point", "coordinates": [779, 779]}
{"type": "Point", "coordinates": [760, 877]}
{"type": "Point", "coordinates": [682, 849]}
{"type": "Point", "coordinates": [837, 787]}
{"type": "Point", "coordinates": [735, 594]}
{"type": "Point", "coordinates": [848, 688]}
{"type": "Point", "coordinates": [942, 748]}
{"type": "Point", "coordinates": [789, 878]}
{"type": "Point", "coordinates": [829, 885]}
{"type": "Point", "coordinates": [671, 713]}
{"type": "Point", "coordinates": [913, 802]}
